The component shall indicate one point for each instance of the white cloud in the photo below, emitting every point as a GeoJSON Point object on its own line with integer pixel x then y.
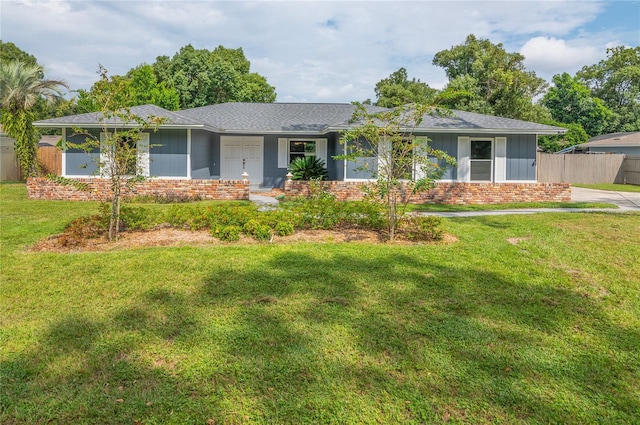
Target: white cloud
{"type": "Point", "coordinates": [311, 50]}
{"type": "Point", "coordinates": [550, 56]}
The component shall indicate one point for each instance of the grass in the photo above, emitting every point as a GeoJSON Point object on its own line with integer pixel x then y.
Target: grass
{"type": "Point", "coordinates": [506, 206]}
{"type": "Point", "coordinates": [527, 319]}
{"type": "Point", "coordinates": [611, 186]}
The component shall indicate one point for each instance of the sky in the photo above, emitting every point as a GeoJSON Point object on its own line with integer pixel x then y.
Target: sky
{"type": "Point", "coordinates": [315, 51]}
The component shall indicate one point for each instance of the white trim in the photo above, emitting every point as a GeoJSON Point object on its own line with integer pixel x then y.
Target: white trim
{"type": "Point", "coordinates": [464, 155]}
{"type": "Point", "coordinates": [321, 149]}
{"type": "Point", "coordinates": [283, 152]}
{"type": "Point", "coordinates": [143, 154]}
{"type": "Point", "coordinates": [64, 152]}
{"type": "Point", "coordinates": [500, 160]}
{"type": "Point", "coordinates": [189, 153]}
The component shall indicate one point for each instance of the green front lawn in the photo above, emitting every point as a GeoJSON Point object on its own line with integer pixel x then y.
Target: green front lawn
{"type": "Point", "coordinates": [611, 186]}
{"type": "Point", "coordinates": [526, 319]}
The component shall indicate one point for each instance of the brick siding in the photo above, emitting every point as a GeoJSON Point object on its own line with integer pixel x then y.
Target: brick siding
{"type": "Point", "coordinates": [451, 193]}
{"type": "Point", "coordinates": [99, 189]}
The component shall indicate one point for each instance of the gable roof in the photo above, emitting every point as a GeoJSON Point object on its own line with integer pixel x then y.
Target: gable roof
{"type": "Point", "coordinates": [93, 119]}
{"type": "Point", "coordinates": [614, 140]}
{"type": "Point", "coordinates": [303, 118]}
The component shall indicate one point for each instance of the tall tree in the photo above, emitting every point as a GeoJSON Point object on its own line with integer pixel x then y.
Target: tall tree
{"type": "Point", "coordinates": [21, 86]}
{"type": "Point", "coordinates": [616, 80]}
{"type": "Point", "coordinates": [9, 52]}
{"type": "Point", "coordinates": [204, 77]}
{"type": "Point", "coordinates": [570, 101]}
{"type": "Point", "coordinates": [498, 79]}
{"type": "Point", "coordinates": [397, 90]}
{"type": "Point", "coordinates": [139, 87]}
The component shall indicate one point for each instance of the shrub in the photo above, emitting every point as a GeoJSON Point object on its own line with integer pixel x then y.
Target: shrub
{"type": "Point", "coordinates": [139, 218]}
{"type": "Point", "coordinates": [263, 233]}
{"type": "Point", "coordinates": [227, 233]}
{"type": "Point", "coordinates": [422, 228]}
{"type": "Point", "coordinates": [79, 230]}
{"type": "Point", "coordinates": [251, 227]}
{"type": "Point", "coordinates": [284, 229]}
{"type": "Point", "coordinates": [308, 168]}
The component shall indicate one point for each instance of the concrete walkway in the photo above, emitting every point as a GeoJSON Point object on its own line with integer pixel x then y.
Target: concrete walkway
{"type": "Point", "coordinates": [626, 202]}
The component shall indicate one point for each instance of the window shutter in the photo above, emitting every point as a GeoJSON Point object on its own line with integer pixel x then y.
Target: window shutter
{"type": "Point", "coordinates": [283, 153]}
{"type": "Point", "coordinates": [500, 159]}
{"type": "Point", "coordinates": [143, 154]}
{"type": "Point", "coordinates": [104, 157]}
{"type": "Point", "coordinates": [321, 149]}
{"type": "Point", "coordinates": [464, 156]}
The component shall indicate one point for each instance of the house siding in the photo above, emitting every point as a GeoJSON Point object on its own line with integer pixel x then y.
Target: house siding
{"type": "Point", "coordinates": [521, 157]}
{"type": "Point", "coordinates": [78, 162]}
{"type": "Point", "coordinates": [447, 143]}
{"type": "Point", "coordinates": [168, 153]}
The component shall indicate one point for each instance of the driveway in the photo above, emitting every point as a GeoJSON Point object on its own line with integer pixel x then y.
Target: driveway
{"type": "Point", "coordinates": [624, 200]}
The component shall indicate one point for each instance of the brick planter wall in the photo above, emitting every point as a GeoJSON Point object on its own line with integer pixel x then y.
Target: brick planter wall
{"type": "Point", "coordinates": [451, 193]}
{"type": "Point", "coordinates": [99, 189]}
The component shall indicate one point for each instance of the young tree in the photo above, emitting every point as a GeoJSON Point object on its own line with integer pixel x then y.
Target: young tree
{"type": "Point", "coordinates": [406, 164]}
{"type": "Point", "coordinates": [123, 147]}
{"type": "Point", "coordinates": [21, 87]}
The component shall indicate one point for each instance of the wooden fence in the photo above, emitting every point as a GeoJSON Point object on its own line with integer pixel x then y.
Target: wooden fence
{"type": "Point", "coordinates": [632, 170]}
{"type": "Point", "coordinates": [50, 158]}
{"type": "Point", "coordinates": [578, 168]}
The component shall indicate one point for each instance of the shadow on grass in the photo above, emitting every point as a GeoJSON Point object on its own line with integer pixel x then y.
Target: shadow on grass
{"type": "Point", "coordinates": [334, 337]}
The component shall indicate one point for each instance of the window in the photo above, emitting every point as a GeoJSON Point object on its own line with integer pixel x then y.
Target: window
{"type": "Point", "coordinates": [127, 156]}
{"type": "Point", "coordinates": [131, 156]}
{"type": "Point", "coordinates": [481, 160]}
{"type": "Point", "coordinates": [301, 149]}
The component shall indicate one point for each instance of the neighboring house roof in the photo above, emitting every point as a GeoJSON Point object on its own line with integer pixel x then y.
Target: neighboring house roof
{"type": "Point", "coordinates": [93, 119]}
{"type": "Point", "coordinates": [614, 140]}
{"type": "Point", "coordinates": [303, 118]}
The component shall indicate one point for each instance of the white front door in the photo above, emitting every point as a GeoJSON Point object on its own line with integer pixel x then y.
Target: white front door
{"type": "Point", "coordinates": [239, 154]}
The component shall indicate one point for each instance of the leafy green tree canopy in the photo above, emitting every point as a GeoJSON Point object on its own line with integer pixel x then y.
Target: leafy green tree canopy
{"type": "Point", "coordinates": [616, 80]}
{"type": "Point", "coordinates": [397, 90]}
{"type": "Point", "coordinates": [202, 77]}
{"type": "Point", "coordinates": [139, 87]}
{"type": "Point", "coordinates": [574, 136]}
{"type": "Point", "coordinates": [570, 101]}
{"type": "Point", "coordinates": [499, 81]}
{"type": "Point", "coordinates": [9, 52]}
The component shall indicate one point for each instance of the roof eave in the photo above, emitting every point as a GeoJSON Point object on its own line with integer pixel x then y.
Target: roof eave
{"type": "Point", "coordinates": [76, 125]}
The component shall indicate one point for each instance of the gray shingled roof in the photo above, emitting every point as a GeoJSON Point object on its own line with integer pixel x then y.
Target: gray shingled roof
{"type": "Point", "coordinates": [92, 119]}
{"type": "Point", "coordinates": [470, 121]}
{"type": "Point", "coordinates": [274, 117]}
{"type": "Point", "coordinates": [303, 118]}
